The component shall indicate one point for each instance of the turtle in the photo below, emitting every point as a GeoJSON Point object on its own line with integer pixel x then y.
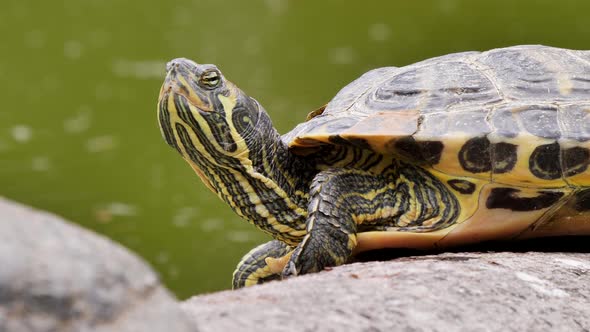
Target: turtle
{"type": "Point", "coordinates": [457, 149]}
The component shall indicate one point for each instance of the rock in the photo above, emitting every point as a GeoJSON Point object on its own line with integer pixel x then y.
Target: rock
{"type": "Point", "coordinates": [55, 276]}
{"type": "Point", "coordinates": [461, 291]}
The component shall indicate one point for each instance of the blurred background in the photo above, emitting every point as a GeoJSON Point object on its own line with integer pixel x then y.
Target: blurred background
{"type": "Point", "coordinates": [79, 80]}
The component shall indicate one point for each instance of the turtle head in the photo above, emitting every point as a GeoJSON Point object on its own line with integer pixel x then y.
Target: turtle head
{"type": "Point", "coordinates": [230, 142]}
{"type": "Point", "coordinates": [210, 121]}
{"type": "Point", "coordinates": [199, 107]}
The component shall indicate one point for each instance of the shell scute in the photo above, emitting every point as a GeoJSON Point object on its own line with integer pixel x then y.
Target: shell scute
{"type": "Point", "coordinates": [575, 122]}
{"type": "Point", "coordinates": [433, 88]}
{"type": "Point", "coordinates": [538, 72]}
{"type": "Point", "coordinates": [541, 121]}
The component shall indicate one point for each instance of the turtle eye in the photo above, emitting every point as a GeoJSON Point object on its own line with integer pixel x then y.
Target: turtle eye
{"type": "Point", "coordinates": [210, 79]}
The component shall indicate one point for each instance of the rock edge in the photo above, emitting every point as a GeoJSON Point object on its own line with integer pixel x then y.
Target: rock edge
{"type": "Point", "coordinates": [464, 291]}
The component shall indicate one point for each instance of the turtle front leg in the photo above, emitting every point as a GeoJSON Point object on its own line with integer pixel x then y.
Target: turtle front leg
{"type": "Point", "coordinates": [261, 264]}
{"type": "Point", "coordinates": [339, 198]}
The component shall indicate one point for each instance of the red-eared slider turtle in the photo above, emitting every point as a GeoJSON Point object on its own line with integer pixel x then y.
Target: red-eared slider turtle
{"type": "Point", "coordinates": [457, 149]}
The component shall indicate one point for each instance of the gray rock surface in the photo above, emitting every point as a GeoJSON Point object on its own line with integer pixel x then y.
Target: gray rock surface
{"type": "Point", "coordinates": [55, 276]}
{"type": "Point", "coordinates": [470, 291]}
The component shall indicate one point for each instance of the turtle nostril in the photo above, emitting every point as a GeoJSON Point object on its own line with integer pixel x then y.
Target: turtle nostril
{"type": "Point", "coordinates": [173, 64]}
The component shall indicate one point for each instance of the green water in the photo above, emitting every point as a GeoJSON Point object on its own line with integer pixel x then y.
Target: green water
{"type": "Point", "coordinates": [80, 80]}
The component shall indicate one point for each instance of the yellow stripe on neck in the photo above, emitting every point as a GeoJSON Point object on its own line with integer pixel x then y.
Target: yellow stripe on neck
{"type": "Point", "coordinates": [228, 102]}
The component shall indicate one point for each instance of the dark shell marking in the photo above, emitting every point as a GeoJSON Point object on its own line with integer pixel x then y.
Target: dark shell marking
{"type": "Point", "coordinates": [478, 155]}
{"type": "Point", "coordinates": [421, 152]}
{"type": "Point", "coordinates": [475, 156]}
{"type": "Point", "coordinates": [504, 157]}
{"type": "Point", "coordinates": [582, 200]}
{"type": "Point", "coordinates": [462, 186]}
{"type": "Point", "coordinates": [575, 160]}
{"type": "Point", "coordinates": [544, 162]}
{"type": "Point", "coordinates": [549, 161]}
{"type": "Point", "coordinates": [508, 198]}
{"type": "Point", "coordinates": [358, 142]}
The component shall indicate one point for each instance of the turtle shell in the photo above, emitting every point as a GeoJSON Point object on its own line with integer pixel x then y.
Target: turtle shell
{"type": "Point", "coordinates": [517, 115]}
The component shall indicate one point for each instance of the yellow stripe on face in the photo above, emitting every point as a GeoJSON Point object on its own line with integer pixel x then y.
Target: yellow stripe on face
{"type": "Point", "coordinates": [175, 119]}
{"type": "Point", "coordinates": [242, 151]}
{"type": "Point", "coordinates": [190, 94]}
{"type": "Point", "coordinates": [228, 102]}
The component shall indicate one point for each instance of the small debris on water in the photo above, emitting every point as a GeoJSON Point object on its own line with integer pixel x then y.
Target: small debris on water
{"type": "Point", "coordinates": [277, 7]}
{"type": "Point", "coordinates": [107, 212]}
{"type": "Point", "coordinates": [35, 39]}
{"type": "Point", "coordinates": [379, 32]}
{"type": "Point", "coordinates": [342, 55]}
{"type": "Point", "coordinates": [183, 216]}
{"type": "Point", "coordinates": [40, 164]}
{"type": "Point", "coordinates": [122, 209]}
{"type": "Point", "coordinates": [72, 49]}
{"type": "Point", "coordinates": [163, 257]}
{"type": "Point", "coordinates": [22, 133]}
{"type": "Point", "coordinates": [101, 144]}
{"type": "Point", "coordinates": [173, 272]}
{"type": "Point", "coordinates": [79, 122]}
{"type": "Point", "coordinates": [239, 236]}
{"type": "Point", "coordinates": [211, 224]}
{"type": "Point", "coordinates": [147, 69]}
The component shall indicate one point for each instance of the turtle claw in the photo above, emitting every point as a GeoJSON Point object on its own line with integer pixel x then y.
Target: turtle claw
{"type": "Point", "coordinates": [261, 264]}
{"type": "Point", "coordinates": [290, 270]}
